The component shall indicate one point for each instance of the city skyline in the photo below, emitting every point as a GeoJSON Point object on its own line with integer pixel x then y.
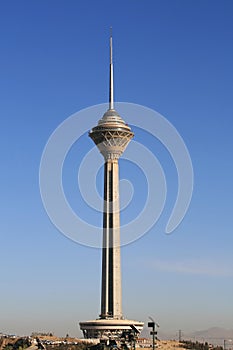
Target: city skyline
{"type": "Point", "coordinates": [178, 61]}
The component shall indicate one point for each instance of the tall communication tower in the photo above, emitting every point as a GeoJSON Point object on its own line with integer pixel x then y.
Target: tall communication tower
{"type": "Point", "coordinates": [111, 136]}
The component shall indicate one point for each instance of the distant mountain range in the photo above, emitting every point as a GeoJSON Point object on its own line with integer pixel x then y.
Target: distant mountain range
{"type": "Point", "coordinates": [215, 332]}
{"type": "Point", "coordinates": [214, 335]}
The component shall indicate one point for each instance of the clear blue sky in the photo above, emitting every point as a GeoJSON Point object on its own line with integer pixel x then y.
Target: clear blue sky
{"type": "Point", "coordinates": [174, 56]}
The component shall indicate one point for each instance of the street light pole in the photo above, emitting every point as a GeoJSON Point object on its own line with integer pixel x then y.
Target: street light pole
{"type": "Point", "coordinates": [152, 325]}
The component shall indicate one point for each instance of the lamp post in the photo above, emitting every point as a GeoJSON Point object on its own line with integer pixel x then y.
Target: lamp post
{"type": "Point", "coordinates": [154, 326]}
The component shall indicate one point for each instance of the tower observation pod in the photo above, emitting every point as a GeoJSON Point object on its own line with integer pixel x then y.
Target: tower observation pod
{"type": "Point", "coordinates": [111, 136]}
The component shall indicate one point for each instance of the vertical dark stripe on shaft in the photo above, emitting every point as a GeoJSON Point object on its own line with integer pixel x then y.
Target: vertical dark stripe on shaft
{"type": "Point", "coordinates": [107, 250]}
{"type": "Point", "coordinates": [110, 287]}
{"type": "Point", "coordinates": [105, 194]}
{"type": "Point", "coordinates": [104, 249]}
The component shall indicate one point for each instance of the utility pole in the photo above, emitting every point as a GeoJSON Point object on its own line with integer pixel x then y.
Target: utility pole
{"type": "Point", "coordinates": [180, 334]}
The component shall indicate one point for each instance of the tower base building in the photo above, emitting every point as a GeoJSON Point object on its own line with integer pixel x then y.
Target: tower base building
{"type": "Point", "coordinates": [110, 328]}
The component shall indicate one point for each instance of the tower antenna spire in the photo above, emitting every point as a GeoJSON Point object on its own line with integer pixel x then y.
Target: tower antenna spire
{"type": "Point", "coordinates": [111, 89]}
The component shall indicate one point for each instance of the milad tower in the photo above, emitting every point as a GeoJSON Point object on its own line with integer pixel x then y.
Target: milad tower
{"type": "Point", "coordinates": [111, 136]}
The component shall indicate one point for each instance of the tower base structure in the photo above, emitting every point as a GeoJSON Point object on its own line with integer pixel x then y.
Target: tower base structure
{"type": "Point", "coordinates": [113, 329]}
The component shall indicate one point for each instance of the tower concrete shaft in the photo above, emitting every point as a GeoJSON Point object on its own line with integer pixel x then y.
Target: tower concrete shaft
{"type": "Point", "coordinates": [111, 260]}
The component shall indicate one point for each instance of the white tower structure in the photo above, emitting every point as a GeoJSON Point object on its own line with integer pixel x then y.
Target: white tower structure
{"type": "Point", "coordinates": [111, 136]}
